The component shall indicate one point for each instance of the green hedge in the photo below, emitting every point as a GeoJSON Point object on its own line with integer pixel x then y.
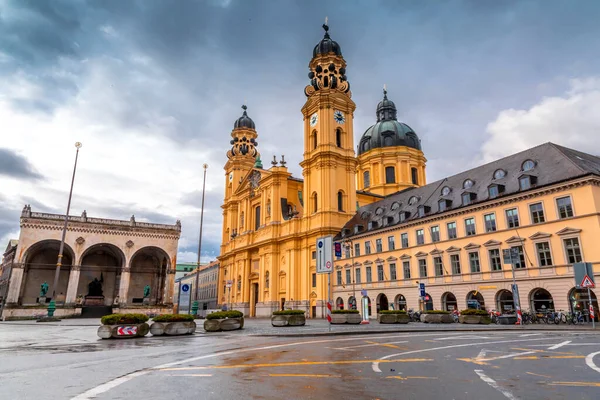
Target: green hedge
{"type": "Point", "coordinates": [392, 312]}
{"type": "Point", "coordinates": [289, 312]}
{"type": "Point", "coordinates": [344, 311]}
{"type": "Point", "coordinates": [173, 318]}
{"type": "Point", "coordinates": [437, 312]}
{"type": "Point", "coordinates": [225, 314]}
{"type": "Point", "coordinates": [119, 319]}
{"type": "Point", "coordinates": [472, 311]}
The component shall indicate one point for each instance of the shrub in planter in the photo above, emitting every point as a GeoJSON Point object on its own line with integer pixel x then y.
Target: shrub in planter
{"type": "Point", "coordinates": [224, 321]}
{"type": "Point", "coordinates": [173, 324]}
{"type": "Point", "coordinates": [344, 311]}
{"type": "Point", "coordinates": [288, 318]}
{"type": "Point", "coordinates": [123, 326]}
{"type": "Point", "coordinates": [472, 311]}
{"type": "Point", "coordinates": [472, 316]}
{"type": "Point", "coordinates": [392, 312]}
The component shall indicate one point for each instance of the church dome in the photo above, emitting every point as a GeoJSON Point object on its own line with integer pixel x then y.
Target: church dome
{"type": "Point", "coordinates": [326, 45]}
{"type": "Point", "coordinates": [388, 131]}
{"type": "Point", "coordinates": [244, 121]}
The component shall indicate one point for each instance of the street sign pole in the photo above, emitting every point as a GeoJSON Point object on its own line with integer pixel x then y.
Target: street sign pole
{"type": "Point", "coordinates": [329, 300]}
{"type": "Point", "coordinates": [516, 298]}
{"type": "Point", "coordinates": [593, 318]}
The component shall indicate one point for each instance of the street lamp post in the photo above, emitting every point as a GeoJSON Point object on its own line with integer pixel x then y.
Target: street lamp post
{"type": "Point", "coordinates": [197, 292]}
{"type": "Point", "coordinates": [52, 305]}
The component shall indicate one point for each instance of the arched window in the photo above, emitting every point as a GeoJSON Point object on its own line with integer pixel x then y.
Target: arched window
{"type": "Point", "coordinates": [315, 202]}
{"type": "Point", "coordinates": [313, 139]}
{"type": "Point", "coordinates": [267, 280]}
{"type": "Point", "coordinates": [239, 283]}
{"type": "Point", "coordinates": [390, 175]}
{"type": "Point", "coordinates": [257, 218]}
{"type": "Point", "coordinates": [340, 201]}
{"type": "Point", "coordinates": [415, 176]}
{"type": "Point", "coordinates": [242, 220]}
{"type": "Point", "coordinates": [338, 137]}
{"type": "Point", "coordinates": [366, 179]}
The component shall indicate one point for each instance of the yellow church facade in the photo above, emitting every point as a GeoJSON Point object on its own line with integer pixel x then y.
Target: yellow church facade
{"type": "Point", "coordinates": [271, 220]}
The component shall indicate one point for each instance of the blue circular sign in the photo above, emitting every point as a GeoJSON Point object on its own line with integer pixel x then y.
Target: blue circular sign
{"type": "Point", "coordinates": [185, 287]}
{"type": "Point", "coordinates": [320, 244]}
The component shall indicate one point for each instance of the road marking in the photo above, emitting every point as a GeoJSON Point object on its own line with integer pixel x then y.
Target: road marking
{"type": "Point", "coordinates": [304, 376]}
{"type": "Point", "coordinates": [405, 378]}
{"type": "Point", "coordinates": [483, 361]}
{"type": "Point", "coordinates": [105, 387]}
{"type": "Point", "coordinates": [384, 344]}
{"type": "Point", "coordinates": [579, 384]}
{"type": "Point", "coordinates": [530, 334]}
{"type": "Point", "coordinates": [545, 357]}
{"type": "Point", "coordinates": [291, 364]}
{"type": "Point", "coordinates": [493, 384]}
{"type": "Point", "coordinates": [543, 376]}
{"type": "Point", "coordinates": [589, 360]}
{"type": "Point", "coordinates": [557, 346]}
{"type": "Point", "coordinates": [465, 337]}
{"type": "Point", "coordinates": [195, 375]}
{"type": "Point", "coordinates": [370, 344]}
{"type": "Point", "coordinates": [376, 368]}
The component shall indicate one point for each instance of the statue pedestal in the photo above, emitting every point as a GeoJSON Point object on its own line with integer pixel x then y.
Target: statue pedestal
{"type": "Point", "coordinates": [146, 301]}
{"type": "Point", "coordinates": [94, 301]}
{"type": "Point", "coordinates": [41, 300]}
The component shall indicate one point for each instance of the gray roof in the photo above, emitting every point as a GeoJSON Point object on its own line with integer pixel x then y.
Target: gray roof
{"type": "Point", "coordinates": [553, 164]}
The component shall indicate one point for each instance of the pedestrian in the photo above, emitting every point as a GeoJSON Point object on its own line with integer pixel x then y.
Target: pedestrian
{"type": "Point", "coordinates": [224, 308]}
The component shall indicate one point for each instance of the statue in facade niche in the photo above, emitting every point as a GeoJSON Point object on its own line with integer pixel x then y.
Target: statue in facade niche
{"type": "Point", "coordinates": [146, 291]}
{"type": "Point", "coordinates": [43, 289]}
{"type": "Point", "coordinates": [95, 288]}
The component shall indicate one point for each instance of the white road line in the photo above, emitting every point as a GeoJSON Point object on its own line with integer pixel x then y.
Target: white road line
{"type": "Point", "coordinates": [589, 360]}
{"type": "Point", "coordinates": [558, 346]}
{"type": "Point", "coordinates": [493, 384]}
{"type": "Point", "coordinates": [366, 345]}
{"type": "Point", "coordinates": [466, 337]}
{"type": "Point", "coordinates": [530, 334]}
{"type": "Point", "coordinates": [376, 364]}
{"type": "Point", "coordinates": [507, 356]}
{"type": "Point", "coordinates": [105, 387]}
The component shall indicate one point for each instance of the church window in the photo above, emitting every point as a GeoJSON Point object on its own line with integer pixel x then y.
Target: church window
{"type": "Point", "coordinates": [315, 202]}
{"type": "Point", "coordinates": [340, 201]}
{"type": "Point", "coordinates": [415, 176]}
{"type": "Point", "coordinates": [257, 218]}
{"type": "Point", "coordinates": [313, 139]}
{"type": "Point", "coordinates": [338, 137]}
{"type": "Point", "coordinates": [242, 220]}
{"type": "Point", "coordinates": [366, 179]}
{"type": "Point", "coordinates": [267, 280]}
{"type": "Point", "coordinates": [390, 175]}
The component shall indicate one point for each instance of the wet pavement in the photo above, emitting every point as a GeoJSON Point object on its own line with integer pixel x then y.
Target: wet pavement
{"type": "Point", "coordinates": [70, 362]}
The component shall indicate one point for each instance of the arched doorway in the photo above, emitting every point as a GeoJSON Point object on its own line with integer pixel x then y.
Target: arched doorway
{"type": "Point", "coordinates": [449, 302]}
{"type": "Point", "coordinates": [475, 300]}
{"type": "Point", "coordinates": [541, 300]}
{"type": "Point", "coordinates": [352, 303]}
{"type": "Point", "coordinates": [339, 304]}
{"type": "Point", "coordinates": [382, 302]}
{"type": "Point", "coordinates": [400, 302]}
{"type": "Point", "coordinates": [505, 302]}
{"type": "Point", "coordinates": [100, 275]}
{"type": "Point", "coordinates": [39, 267]}
{"type": "Point", "coordinates": [580, 301]}
{"type": "Point", "coordinates": [428, 303]}
{"type": "Point", "coordinates": [149, 267]}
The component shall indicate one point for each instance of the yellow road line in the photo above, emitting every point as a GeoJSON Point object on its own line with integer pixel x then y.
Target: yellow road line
{"type": "Point", "coordinates": [383, 344]}
{"type": "Point", "coordinates": [297, 363]}
{"type": "Point", "coordinates": [544, 357]}
{"type": "Point", "coordinates": [543, 376]}
{"type": "Point", "coordinates": [580, 384]}
{"type": "Point", "coordinates": [304, 376]}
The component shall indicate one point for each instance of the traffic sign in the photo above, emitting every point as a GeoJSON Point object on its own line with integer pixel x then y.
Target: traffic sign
{"type": "Point", "coordinates": [126, 330]}
{"type": "Point", "coordinates": [587, 282]}
{"type": "Point", "coordinates": [422, 289]}
{"type": "Point", "coordinates": [581, 270]}
{"type": "Point", "coordinates": [363, 292]}
{"type": "Point", "coordinates": [325, 255]}
{"type": "Point", "coordinates": [185, 287]}
{"type": "Point", "coordinates": [338, 249]}
{"type": "Point", "coordinates": [185, 292]}
{"type": "Point", "coordinates": [229, 284]}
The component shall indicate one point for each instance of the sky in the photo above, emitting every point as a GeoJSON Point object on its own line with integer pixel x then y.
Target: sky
{"type": "Point", "coordinates": [152, 89]}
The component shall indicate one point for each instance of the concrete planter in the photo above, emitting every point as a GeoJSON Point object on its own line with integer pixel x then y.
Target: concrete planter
{"type": "Point", "coordinates": [288, 320]}
{"type": "Point", "coordinates": [346, 318]}
{"type": "Point", "coordinates": [437, 318]}
{"type": "Point", "coordinates": [226, 324]}
{"type": "Point", "coordinates": [353, 318]}
{"type": "Point", "coordinates": [173, 328]}
{"type": "Point", "coordinates": [393, 318]}
{"type": "Point", "coordinates": [471, 319]}
{"type": "Point", "coordinates": [507, 319]}
{"type": "Point", "coordinates": [125, 331]}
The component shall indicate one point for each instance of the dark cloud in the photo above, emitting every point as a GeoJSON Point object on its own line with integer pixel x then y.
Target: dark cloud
{"type": "Point", "coordinates": [14, 165]}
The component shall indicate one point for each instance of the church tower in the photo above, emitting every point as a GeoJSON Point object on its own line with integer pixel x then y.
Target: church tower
{"type": "Point", "coordinates": [329, 164]}
{"type": "Point", "coordinates": [241, 159]}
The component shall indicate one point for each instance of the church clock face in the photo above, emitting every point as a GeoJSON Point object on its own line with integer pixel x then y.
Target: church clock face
{"type": "Point", "coordinates": [230, 177]}
{"type": "Point", "coordinates": [313, 119]}
{"type": "Point", "coordinates": [339, 117]}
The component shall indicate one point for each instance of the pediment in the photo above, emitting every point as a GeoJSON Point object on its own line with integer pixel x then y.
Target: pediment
{"type": "Point", "coordinates": [568, 231]}
{"type": "Point", "coordinates": [492, 242]}
{"type": "Point", "coordinates": [338, 267]}
{"type": "Point", "coordinates": [379, 261]}
{"type": "Point", "coordinates": [253, 275]}
{"type": "Point", "coordinates": [347, 265]}
{"type": "Point", "coordinates": [282, 273]}
{"type": "Point", "coordinates": [357, 264]}
{"type": "Point", "coordinates": [405, 257]}
{"type": "Point", "coordinates": [245, 181]}
{"type": "Point", "coordinates": [313, 295]}
{"type": "Point", "coordinates": [436, 252]}
{"type": "Point", "coordinates": [540, 235]}
{"type": "Point", "coordinates": [421, 254]}
{"type": "Point", "coordinates": [368, 262]}
{"type": "Point", "coordinates": [515, 240]}
{"type": "Point", "coordinates": [391, 258]}
{"type": "Point", "coordinates": [453, 249]}
{"type": "Point", "coordinates": [472, 246]}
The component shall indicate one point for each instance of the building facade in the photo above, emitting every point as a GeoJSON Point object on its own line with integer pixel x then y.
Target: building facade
{"type": "Point", "coordinates": [183, 269]}
{"type": "Point", "coordinates": [6, 265]}
{"type": "Point", "coordinates": [107, 266]}
{"type": "Point", "coordinates": [450, 234]}
{"type": "Point", "coordinates": [207, 284]}
{"type": "Point", "coordinates": [271, 220]}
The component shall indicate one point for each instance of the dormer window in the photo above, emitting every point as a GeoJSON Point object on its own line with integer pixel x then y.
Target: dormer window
{"type": "Point", "coordinates": [372, 225]}
{"type": "Point", "coordinates": [468, 184]}
{"type": "Point", "coordinates": [379, 211]}
{"type": "Point", "coordinates": [527, 182]}
{"type": "Point", "coordinates": [467, 198]}
{"type": "Point", "coordinates": [499, 174]}
{"type": "Point", "coordinates": [390, 220]}
{"type": "Point", "coordinates": [444, 204]}
{"type": "Point", "coordinates": [345, 232]}
{"type": "Point", "coordinates": [446, 191]}
{"type": "Point", "coordinates": [404, 215]}
{"type": "Point", "coordinates": [413, 200]}
{"type": "Point", "coordinates": [395, 206]}
{"type": "Point", "coordinates": [528, 165]}
{"type": "Point", "coordinates": [358, 228]}
{"type": "Point", "coordinates": [364, 215]}
{"type": "Point", "coordinates": [495, 190]}
{"type": "Point", "coordinates": [423, 210]}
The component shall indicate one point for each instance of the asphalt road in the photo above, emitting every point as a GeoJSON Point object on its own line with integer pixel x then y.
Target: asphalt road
{"type": "Point", "coordinates": [70, 363]}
